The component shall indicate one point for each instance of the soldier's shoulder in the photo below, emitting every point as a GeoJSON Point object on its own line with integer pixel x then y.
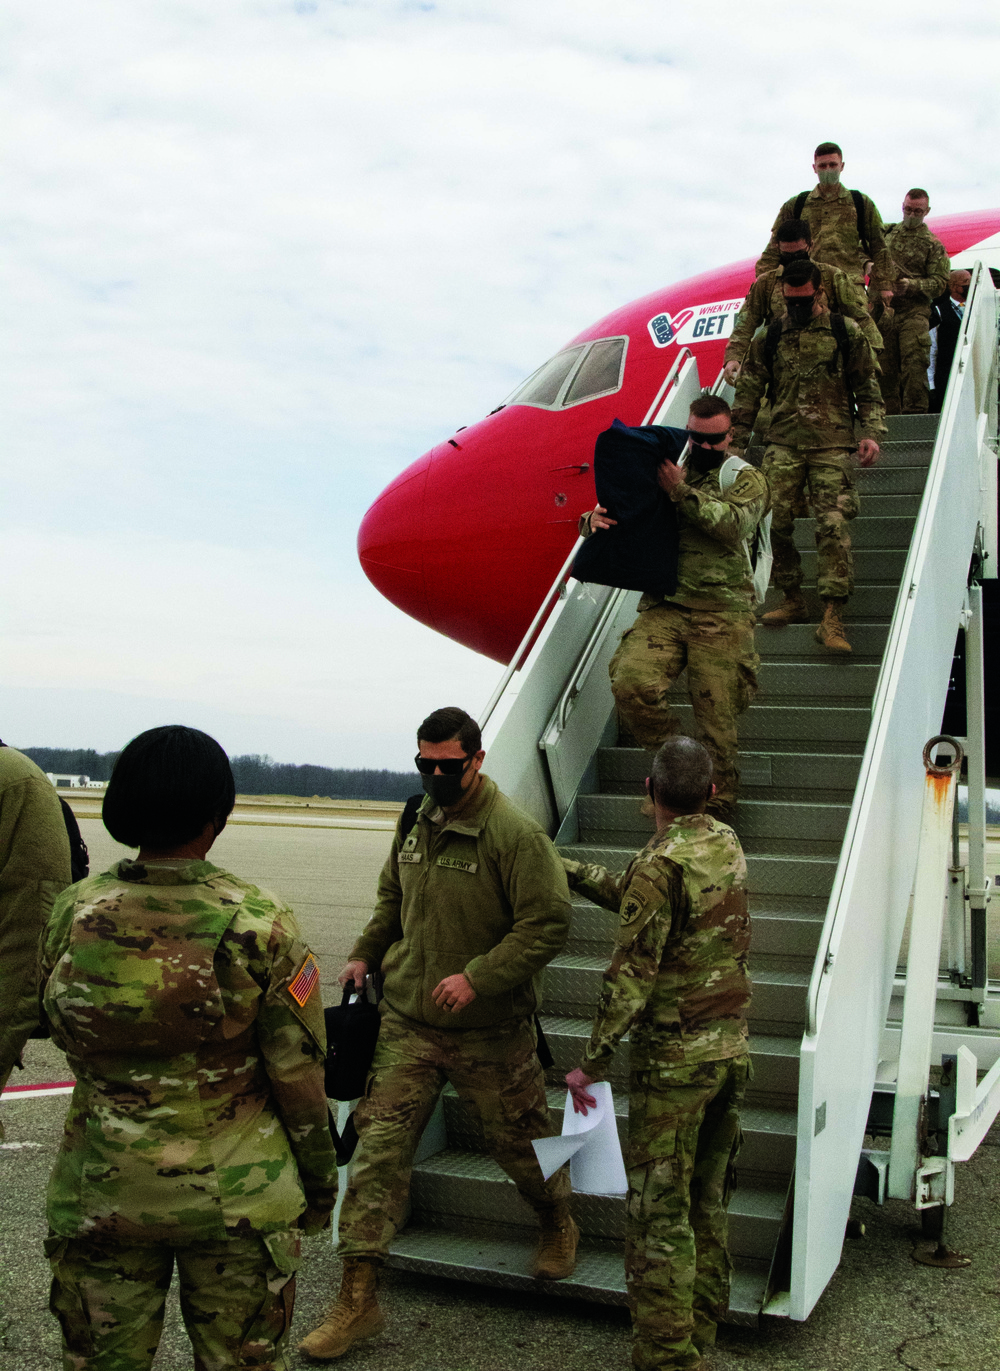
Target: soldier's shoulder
{"type": "Point", "coordinates": [253, 906]}
{"type": "Point", "coordinates": [16, 767]}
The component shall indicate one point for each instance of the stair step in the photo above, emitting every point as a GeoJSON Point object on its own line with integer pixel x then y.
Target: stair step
{"type": "Point", "coordinates": [768, 1134]}
{"type": "Point", "coordinates": [886, 479]}
{"type": "Point", "coordinates": [775, 1059]}
{"type": "Point", "coordinates": [831, 676]}
{"type": "Point", "coordinates": [900, 452]}
{"type": "Point", "coordinates": [799, 640]}
{"type": "Point", "coordinates": [766, 875]}
{"type": "Point", "coordinates": [623, 770]}
{"type": "Point", "coordinates": [453, 1185]}
{"type": "Point", "coordinates": [886, 505]}
{"type": "Point", "coordinates": [572, 983]}
{"type": "Point", "coordinates": [788, 935]}
{"type": "Point", "coordinates": [792, 721]}
{"type": "Point", "coordinates": [913, 426]}
{"type": "Point", "coordinates": [773, 818]}
{"type": "Point", "coordinates": [872, 566]}
{"type": "Point", "coordinates": [490, 1258]}
{"type": "Point", "coordinates": [867, 531]}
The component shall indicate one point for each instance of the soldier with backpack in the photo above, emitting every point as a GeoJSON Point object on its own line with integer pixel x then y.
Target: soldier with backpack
{"type": "Point", "coordinates": [846, 227]}
{"type": "Point", "coordinates": [818, 372]}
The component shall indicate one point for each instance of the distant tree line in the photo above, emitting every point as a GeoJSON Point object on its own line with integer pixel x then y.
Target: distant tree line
{"type": "Point", "coordinates": [254, 775]}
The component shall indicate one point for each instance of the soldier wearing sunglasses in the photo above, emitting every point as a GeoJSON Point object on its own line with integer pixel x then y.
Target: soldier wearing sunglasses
{"type": "Point", "coordinates": [707, 625]}
{"type": "Point", "coordinates": [472, 904]}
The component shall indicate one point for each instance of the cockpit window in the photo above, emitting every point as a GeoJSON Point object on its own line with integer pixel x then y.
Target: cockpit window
{"type": "Point", "coordinates": [579, 373]}
{"type": "Point", "coordinates": [544, 386]}
{"type": "Point", "coordinates": [598, 373]}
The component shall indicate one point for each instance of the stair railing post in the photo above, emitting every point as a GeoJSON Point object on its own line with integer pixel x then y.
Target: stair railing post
{"type": "Point", "coordinates": [975, 706]}
{"type": "Point", "coordinates": [923, 959]}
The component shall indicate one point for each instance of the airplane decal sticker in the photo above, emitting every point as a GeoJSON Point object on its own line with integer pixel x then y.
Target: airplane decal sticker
{"type": "Point", "coordinates": [699, 324]}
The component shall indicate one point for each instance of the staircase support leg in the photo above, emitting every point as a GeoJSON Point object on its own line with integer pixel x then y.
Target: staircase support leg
{"type": "Point", "coordinates": [926, 926]}
{"type": "Point", "coordinates": [975, 704]}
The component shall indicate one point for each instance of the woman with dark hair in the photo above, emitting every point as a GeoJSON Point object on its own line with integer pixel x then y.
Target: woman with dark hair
{"type": "Point", "coordinates": [198, 1129]}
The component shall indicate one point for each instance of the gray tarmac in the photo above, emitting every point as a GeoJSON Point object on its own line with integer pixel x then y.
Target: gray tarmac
{"type": "Point", "coordinates": [881, 1312]}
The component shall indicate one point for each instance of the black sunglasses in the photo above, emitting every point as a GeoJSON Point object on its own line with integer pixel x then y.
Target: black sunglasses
{"type": "Point", "coordinates": [449, 766]}
{"type": "Point", "coordinates": [711, 439]}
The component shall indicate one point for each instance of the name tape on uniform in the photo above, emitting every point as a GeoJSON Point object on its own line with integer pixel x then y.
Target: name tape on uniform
{"type": "Point", "coordinates": [456, 864]}
{"type": "Point", "coordinates": [305, 982]}
{"type": "Point", "coordinates": [409, 856]}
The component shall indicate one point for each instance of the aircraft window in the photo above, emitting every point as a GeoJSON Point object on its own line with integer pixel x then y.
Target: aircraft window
{"type": "Point", "coordinates": [599, 372]}
{"type": "Point", "coordinates": [544, 385]}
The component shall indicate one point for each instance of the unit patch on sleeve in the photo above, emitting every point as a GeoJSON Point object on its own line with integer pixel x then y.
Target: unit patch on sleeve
{"type": "Point", "coordinates": [457, 864]}
{"type": "Point", "coordinates": [305, 981]}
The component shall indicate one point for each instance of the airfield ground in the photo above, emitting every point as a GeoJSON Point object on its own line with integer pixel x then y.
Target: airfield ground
{"type": "Point", "coordinates": [881, 1312]}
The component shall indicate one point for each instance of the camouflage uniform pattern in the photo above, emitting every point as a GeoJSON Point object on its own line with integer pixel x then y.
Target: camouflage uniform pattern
{"type": "Point", "coordinates": [199, 1117]}
{"type": "Point", "coordinates": [706, 626]}
{"type": "Point", "coordinates": [765, 303]}
{"type": "Point", "coordinates": [833, 225]}
{"type": "Point", "coordinates": [236, 1300]}
{"type": "Point", "coordinates": [718, 652]}
{"type": "Point", "coordinates": [678, 984]}
{"type": "Point", "coordinates": [480, 891]}
{"type": "Point", "coordinates": [810, 442]}
{"type": "Point", "coordinates": [922, 259]}
{"type": "Point", "coordinates": [499, 1079]}
{"type": "Point", "coordinates": [34, 868]}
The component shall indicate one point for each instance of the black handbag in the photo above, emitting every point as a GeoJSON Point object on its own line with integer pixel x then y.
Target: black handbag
{"type": "Point", "coordinates": [351, 1035]}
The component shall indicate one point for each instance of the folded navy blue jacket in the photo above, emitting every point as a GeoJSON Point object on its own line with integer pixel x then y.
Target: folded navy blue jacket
{"type": "Point", "coordinates": [640, 552]}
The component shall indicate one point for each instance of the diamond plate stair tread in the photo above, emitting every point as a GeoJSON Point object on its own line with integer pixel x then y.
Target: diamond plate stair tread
{"type": "Point", "coordinates": [766, 875]}
{"type": "Point", "coordinates": [821, 770]}
{"type": "Point", "coordinates": [477, 1188]}
{"type": "Point", "coordinates": [867, 531]}
{"type": "Point", "coordinates": [827, 677]}
{"type": "Point", "coordinates": [795, 721]}
{"type": "Point", "coordinates": [799, 640]}
{"type": "Point", "coordinates": [505, 1262]}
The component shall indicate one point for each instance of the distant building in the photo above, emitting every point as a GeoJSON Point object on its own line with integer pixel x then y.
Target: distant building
{"type": "Point", "coordinates": [74, 782]}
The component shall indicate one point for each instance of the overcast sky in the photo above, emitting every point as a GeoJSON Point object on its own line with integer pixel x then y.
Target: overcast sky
{"type": "Point", "coordinates": [259, 256]}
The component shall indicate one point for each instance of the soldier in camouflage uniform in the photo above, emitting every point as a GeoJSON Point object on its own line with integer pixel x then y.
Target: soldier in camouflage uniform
{"type": "Point", "coordinates": [813, 382]}
{"type": "Point", "coordinates": [472, 904]}
{"type": "Point", "coordinates": [34, 868]}
{"type": "Point", "coordinates": [922, 268]}
{"type": "Point", "coordinates": [678, 986]}
{"type": "Point", "coordinates": [707, 625]}
{"type": "Point", "coordinates": [198, 1132]}
{"type": "Point", "coordinates": [765, 302]}
{"type": "Point", "coordinates": [838, 239]}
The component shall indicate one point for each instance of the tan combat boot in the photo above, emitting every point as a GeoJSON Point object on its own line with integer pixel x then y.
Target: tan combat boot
{"type": "Point", "coordinates": [555, 1256]}
{"type": "Point", "coordinates": [831, 629]}
{"type": "Point", "coordinates": [356, 1314]}
{"type": "Point", "coordinates": [792, 610]}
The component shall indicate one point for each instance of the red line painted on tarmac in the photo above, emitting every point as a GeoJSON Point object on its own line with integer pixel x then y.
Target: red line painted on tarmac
{"type": "Point", "coordinates": [35, 1091]}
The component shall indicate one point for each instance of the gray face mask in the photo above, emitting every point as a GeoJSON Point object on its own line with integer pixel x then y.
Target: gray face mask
{"type": "Point", "coordinates": [909, 222]}
{"type": "Point", "coordinates": [828, 178]}
{"type": "Point", "coordinates": [443, 790]}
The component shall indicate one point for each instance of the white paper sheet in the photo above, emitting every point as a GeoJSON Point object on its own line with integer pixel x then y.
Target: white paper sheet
{"type": "Point", "coordinates": [590, 1143]}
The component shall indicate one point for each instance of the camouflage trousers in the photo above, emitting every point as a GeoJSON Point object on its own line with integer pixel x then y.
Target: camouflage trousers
{"type": "Point", "coordinates": [718, 650]}
{"type": "Point", "coordinates": [499, 1079]}
{"type": "Point", "coordinates": [236, 1299]}
{"type": "Point", "coordinates": [825, 473]}
{"type": "Point", "coordinates": [907, 354]}
{"type": "Point", "coordinates": [684, 1137]}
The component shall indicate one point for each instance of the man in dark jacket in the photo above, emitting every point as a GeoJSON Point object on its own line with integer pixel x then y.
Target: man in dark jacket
{"type": "Point", "coordinates": [950, 309]}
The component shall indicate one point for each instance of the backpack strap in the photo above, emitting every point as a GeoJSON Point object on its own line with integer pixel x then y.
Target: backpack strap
{"type": "Point", "coordinates": [839, 329]}
{"type": "Point", "coordinates": [862, 217]}
{"type": "Point", "coordinates": [410, 815]}
{"type": "Point", "coordinates": [799, 202]}
{"type": "Point", "coordinates": [771, 339]}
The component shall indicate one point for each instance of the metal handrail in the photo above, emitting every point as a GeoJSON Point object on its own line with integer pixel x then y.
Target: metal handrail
{"type": "Point", "coordinates": [586, 658]}
{"type": "Point", "coordinates": [668, 381]}
{"type": "Point", "coordinates": [544, 609]}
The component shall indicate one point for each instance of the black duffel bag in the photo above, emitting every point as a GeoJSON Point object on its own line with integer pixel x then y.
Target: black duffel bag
{"type": "Point", "coordinates": [351, 1035]}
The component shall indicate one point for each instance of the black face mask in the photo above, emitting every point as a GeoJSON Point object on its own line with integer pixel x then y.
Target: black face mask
{"type": "Point", "coordinates": [702, 459]}
{"type": "Point", "coordinates": [443, 790]}
{"type": "Point", "coordinates": [800, 255]}
{"type": "Point", "coordinates": [800, 311]}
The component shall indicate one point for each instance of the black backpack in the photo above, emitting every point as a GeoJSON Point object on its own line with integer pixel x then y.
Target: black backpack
{"type": "Point", "coordinates": [859, 211]}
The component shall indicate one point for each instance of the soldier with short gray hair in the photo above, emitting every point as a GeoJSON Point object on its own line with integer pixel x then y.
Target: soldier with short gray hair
{"type": "Point", "coordinates": [678, 985]}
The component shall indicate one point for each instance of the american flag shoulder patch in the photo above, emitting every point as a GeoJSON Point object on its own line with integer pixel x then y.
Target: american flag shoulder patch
{"type": "Point", "coordinates": [305, 981]}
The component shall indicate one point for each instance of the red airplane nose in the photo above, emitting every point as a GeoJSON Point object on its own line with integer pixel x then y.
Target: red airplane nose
{"type": "Point", "coordinates": [390, 542]}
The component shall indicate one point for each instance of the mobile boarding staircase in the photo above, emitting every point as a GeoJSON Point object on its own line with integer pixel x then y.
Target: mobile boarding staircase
{"type": "Point", "coordinates": [830, 815]}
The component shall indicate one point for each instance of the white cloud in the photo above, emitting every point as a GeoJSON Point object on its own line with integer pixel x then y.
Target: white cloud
{"type": "Point", "coordinates": [259, 256]}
